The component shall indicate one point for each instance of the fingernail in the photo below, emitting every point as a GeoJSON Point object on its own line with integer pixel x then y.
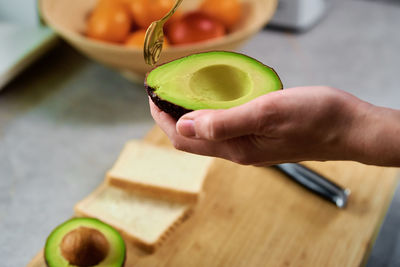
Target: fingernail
{"type": "Point", "coordinates": [185, 127]}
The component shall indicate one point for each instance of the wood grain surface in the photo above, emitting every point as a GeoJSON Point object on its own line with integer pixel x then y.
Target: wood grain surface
{"type": "Point", "coordinates": [253, 216]}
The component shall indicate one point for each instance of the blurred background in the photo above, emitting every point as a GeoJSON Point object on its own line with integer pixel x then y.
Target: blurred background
{"type": "Point", "coordinates": [69, 99]}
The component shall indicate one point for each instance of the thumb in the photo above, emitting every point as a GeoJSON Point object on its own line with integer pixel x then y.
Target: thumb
{"type": "Point", "coordinates": [217, 125]}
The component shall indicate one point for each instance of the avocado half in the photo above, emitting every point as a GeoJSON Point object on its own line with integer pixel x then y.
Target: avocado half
{"type": "Point", "coordinates": [84, 242]}
{"type": "Point", "coordinates": [209, 80]}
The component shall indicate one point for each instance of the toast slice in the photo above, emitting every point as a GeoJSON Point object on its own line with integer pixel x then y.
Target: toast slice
{"type": "Point", "coordinates": [159, 171]}
{"type": "Point", "coordinates": [142, 220]}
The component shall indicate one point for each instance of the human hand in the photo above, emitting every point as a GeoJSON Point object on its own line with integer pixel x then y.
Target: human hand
{"type": "Point", "coordinates": [290, 125]}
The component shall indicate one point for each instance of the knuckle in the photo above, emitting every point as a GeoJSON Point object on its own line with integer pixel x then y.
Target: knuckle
{"type": "Point", "coordinates": [268, 115]}
{"type": "Point", "coordinates": [214, 129]}
{"type": "Point", "coordinates": [270, 103]}
{"type": "Point", "coordinates": [239, 153]}
{"type": "Point", "coordinates": [240, 159]}
{"type": "Point", "coordinates": [327, 88]}
{"type": "Point", "coordinates": [177, 145]}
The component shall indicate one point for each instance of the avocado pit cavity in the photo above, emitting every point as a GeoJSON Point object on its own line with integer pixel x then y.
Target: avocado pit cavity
{"type": "Point", "coordinates": [84, 246]}
{"type": "Point", "coordinates": [84, 242]}
{"type": "Point", "coordinates": [220, 83]}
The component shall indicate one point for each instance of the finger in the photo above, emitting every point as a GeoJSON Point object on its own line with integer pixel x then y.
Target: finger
{"type": "Point", "coordinates": [151, 103]}
{"type": "Point", "coordinates": [154, 110]}
{"type": "Point", "coordinates": [223, 124]}
{"type": "Point", "coordinates": [201, 147]}
{"type": "Point", "coordinates": [163, 120]}
{"type": "Point", "coordinates": [223, 149]}
{"type": "Point", "coordinates": [196, 146]}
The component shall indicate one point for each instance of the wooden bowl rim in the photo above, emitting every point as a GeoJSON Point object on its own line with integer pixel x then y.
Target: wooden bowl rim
{"type": "Point", "coordinates": [120, 48]}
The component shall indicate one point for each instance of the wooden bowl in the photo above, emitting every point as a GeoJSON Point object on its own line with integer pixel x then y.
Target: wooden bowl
{"type": "Point", "coordinates": [68, 19]}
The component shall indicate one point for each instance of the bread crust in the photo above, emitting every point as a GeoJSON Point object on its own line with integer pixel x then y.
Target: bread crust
{"type": "Point", "coordinates": [153, 190]}
{"type": "Point", "coordinates": [79, 210]}
{"type": "Point", "coordinates": [186, 195]}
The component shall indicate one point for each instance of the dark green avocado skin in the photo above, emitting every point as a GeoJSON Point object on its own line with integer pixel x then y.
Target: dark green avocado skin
{"type": "Point", "coordinates": [174, 110]}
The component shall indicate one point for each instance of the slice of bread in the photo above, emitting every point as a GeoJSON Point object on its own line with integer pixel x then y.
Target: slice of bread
{"type": "Point", "coordinates": [141, 219]}
{"type": "Point", "coordinates": [160, 171]}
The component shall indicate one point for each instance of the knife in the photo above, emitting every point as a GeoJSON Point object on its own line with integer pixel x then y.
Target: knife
{"type": "Point", "coordinates": [316, 183]}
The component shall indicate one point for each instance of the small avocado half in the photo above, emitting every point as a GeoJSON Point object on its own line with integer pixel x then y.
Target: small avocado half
{"type": "Point", "coordinates": [209, 80]}
{"type": "Point", "coordinates": [84, 242]}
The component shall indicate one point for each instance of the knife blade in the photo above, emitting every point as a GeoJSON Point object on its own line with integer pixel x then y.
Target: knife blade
{"type": "Point", "coordinates": [316, 183]}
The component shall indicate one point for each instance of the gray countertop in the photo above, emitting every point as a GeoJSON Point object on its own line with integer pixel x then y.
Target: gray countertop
{"type": "Point", "coordinates": [64, 120]}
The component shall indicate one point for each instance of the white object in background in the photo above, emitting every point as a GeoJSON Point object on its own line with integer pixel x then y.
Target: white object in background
{"type": "Point", "coordinates": [22, 38]}
{"type": "Point", "coordinates": [299, 14]}
{"type": "Point", "coordinates": [20, 46]}
{"type": "Point", "coordinates": [20, 12]}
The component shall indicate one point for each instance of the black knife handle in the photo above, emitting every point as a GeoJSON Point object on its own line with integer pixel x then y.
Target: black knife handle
{"type": "Point", "coordinates": [316, 183]}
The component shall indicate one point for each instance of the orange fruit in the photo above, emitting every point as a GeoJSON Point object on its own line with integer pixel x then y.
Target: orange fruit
{"type": "Point", "coordinates": [144, 12]}
{"type": "Point", "coordinates": [136, 39]}
{"type": "Point", "coordinates": [110, 21]}
{"type": "Point", "coordinates": [227, 11]}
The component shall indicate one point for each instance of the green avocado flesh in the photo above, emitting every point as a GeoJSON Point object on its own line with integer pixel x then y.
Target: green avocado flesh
{"type": "Point", "coordinates": [212, 80]}
{"type": "Point", "coordinates": [101, 245]}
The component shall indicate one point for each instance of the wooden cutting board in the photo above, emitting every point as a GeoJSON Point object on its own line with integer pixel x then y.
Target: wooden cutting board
{"type": "Point", "coordinates": [253, 216]}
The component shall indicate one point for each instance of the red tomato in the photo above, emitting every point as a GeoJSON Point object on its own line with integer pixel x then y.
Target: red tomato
{"type": "Point", "coordinates": [195, 27]}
